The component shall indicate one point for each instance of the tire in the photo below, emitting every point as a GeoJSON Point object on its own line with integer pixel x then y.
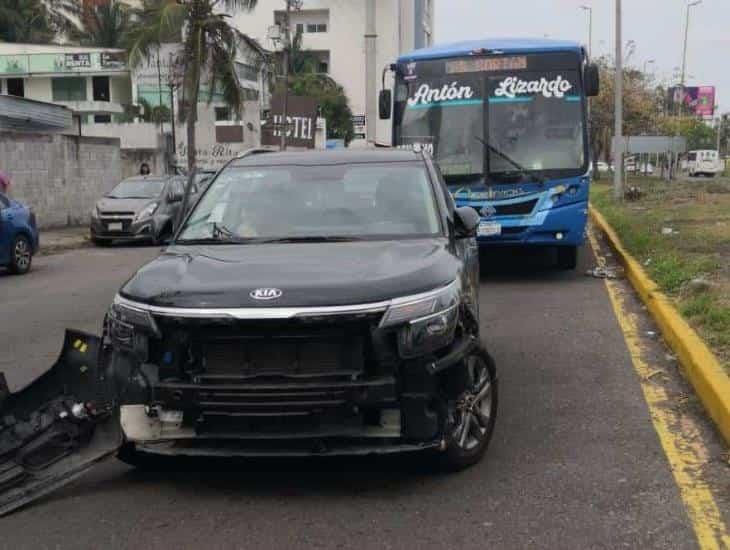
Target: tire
{"type": "Point", "coordinates": [470, 427]}
{"type": "Point", "coordinates": [567, 257]}
{"type": "Point", "coordinates": [21, 255]}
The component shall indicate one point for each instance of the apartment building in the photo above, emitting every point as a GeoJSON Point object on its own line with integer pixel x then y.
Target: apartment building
{"type": "Point", "coordinates": [336, 31]}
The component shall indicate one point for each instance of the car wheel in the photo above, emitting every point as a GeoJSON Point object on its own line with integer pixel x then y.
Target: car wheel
{"type": "Point", "coordinates": [567, 257]}
{"type": "Point", "coordinates": [21, 255]}
{"type": "Point", "coordinates": [472, 417]}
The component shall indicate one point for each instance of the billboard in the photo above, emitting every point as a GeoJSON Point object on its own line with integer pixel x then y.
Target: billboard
{"type": "Point", "coordinates": [696, 100]}
{"type": "Point", "coordinates": [301, 121]}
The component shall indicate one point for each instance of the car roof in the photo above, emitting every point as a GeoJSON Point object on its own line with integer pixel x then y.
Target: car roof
{"type": "Point", "coordinates": [503, 45]}
{"type": "Point", "coordinates": [329, 157]}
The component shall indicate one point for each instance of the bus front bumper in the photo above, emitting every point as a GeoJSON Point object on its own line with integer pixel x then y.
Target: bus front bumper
{"type": "Point", "coordinates": [558, 226]}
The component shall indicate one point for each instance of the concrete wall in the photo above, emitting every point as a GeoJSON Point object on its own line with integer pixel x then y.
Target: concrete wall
{"type": "Point", "coordinates": [60, 176]}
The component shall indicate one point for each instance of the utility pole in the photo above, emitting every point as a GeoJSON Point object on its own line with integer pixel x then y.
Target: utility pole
{"type": "Point", "coordinates": [172, 85]}
{"type": "Point", "coordinates": [285, 102]}
{"type": "Point", "coordinates": [589, 9]}
{"type": "Point", "coordinates": [371, 78]}
{"type": "Point", "coordinates": [618, 161]}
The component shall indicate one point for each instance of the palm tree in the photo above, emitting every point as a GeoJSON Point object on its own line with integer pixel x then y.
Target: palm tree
{"type": "Point", "coordinates": [24, 21]}
{"type": "Point", "coordinates": [105, 25]}
{"type": "Point", "coordinates": [209, 45]}
{"type": "Point", "coordinates": [35, 21]}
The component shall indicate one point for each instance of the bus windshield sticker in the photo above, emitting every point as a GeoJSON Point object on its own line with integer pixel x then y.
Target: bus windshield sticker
{"type": "Point", "coordinates": [488, 64]}
{"type": "Point", "coordinates": [448, 94]}
{"type": "Point", "coordinates": [513, 86]}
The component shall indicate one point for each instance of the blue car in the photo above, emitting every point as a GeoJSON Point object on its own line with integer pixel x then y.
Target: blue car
{"type": "Point", "coordinates": [18, 235]}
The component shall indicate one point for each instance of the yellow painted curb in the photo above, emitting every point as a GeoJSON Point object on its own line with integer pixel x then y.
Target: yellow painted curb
{"type": "Point", "coordinates": [700, 365]}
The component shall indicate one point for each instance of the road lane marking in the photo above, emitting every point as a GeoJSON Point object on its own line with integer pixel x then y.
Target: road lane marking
{"type": "Point", "coordinates": [679, 435]}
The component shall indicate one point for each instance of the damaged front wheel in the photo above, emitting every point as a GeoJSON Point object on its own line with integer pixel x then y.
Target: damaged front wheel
{"type": "Point", "coordinates": [473, 415]}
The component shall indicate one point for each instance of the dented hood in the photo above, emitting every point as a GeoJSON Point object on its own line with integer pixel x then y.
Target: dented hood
{"type": "Point", "coordinates": [308, 274]}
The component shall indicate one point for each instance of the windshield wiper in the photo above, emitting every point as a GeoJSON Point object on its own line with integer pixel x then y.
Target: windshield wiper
{"type": "Point", "coordinates": [519, 169]}
{"type": "Point", "coordinates": [307, 239]}
{"type": "Point", "coordinates": [219, 234]}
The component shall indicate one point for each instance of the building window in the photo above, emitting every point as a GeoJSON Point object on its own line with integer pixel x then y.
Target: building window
{"type": "Point", "coordinates": [323, 67]}
{"type": "Point", "coordinates": [316, 27]}
{"type": "Point", "coordinates": [100, 86]}
{"type": "Point", "coordinates": [250, 95]}
{"type": "Point", "coordinates": [300, 28]}
{"type": "Point", "coordinates": [222, 114]}
{"type": "Point", "coordinates": [16, 87]}
{"type": "Point", "coordinates": [229, 134]}
{"type": "Point", "coordinates": [102, 119]}
{"type": "Point", "coordinates": [247, 72]}
{"type": "Point", "coordinates": [68, 89]}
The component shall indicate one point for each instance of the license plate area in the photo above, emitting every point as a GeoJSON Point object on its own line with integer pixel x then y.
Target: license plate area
{"type": "Point", "coordinates": [489, 229]}
{"type": "Point", "coordinates": [114, 226]}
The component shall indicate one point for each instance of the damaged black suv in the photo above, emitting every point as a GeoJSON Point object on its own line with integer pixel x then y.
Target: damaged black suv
{"type": "Point", "coordinates": [311, 303]}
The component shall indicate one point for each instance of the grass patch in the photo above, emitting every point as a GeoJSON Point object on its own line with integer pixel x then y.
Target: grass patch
{"type": "Point", "coordinates": [698, 246]}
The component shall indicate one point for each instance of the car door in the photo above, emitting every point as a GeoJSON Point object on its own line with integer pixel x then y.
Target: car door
{"type": "Point", "coordinates": [59, 426]}
{"type": "Point", "coordinates": [6, 229]}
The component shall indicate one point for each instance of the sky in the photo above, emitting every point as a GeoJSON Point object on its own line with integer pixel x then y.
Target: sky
{"type": "Point", "coordinates": [656, 27]}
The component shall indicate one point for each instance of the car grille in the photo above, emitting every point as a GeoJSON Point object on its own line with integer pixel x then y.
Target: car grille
{"type": "Point", "coordinates": [328, 352]}
{"type": "Point", "coordinates": [515, 209]}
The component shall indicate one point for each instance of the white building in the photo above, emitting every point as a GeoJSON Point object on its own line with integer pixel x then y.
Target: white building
{"type": "Point", "coordinates": [104, 96]}
{"type": "Point", "coordinates": [336, 30]}
{"type": "Point", "coordinates": [92, 82]}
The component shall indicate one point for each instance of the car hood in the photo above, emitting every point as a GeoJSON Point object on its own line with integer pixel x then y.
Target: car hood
{"type": "Point", "coordinates": [108, 204]}
{"type": "Point", "coordinates": [308, 274]}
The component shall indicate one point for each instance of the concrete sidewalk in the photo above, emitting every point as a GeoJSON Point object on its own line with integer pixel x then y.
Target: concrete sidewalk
{"type": "Point", "coordinates": [66, 238]}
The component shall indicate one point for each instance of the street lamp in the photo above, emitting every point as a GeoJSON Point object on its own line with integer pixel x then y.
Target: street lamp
{"type": "Point", "coordinates": [684, 50]}
{"type": "Point", "coordinates": [589, 9]}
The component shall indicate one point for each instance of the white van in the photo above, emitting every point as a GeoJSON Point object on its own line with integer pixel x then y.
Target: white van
{"type": "Point", "coordinates": [704, 163]}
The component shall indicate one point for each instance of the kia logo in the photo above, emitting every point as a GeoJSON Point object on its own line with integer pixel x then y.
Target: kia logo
{"type": "Point", "coordinates": [266, 294]}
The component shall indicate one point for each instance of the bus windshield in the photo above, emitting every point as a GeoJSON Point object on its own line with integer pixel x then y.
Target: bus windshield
{"type": "Point", "coordinates": [446, 117]}
{"type": "Point", "coordinates": [536, 120]}
{"type": "Point", "coordinates": [495, 123]}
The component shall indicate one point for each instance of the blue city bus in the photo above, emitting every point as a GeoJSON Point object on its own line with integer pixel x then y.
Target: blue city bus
{"type": "Point", "coordinates": [507, 122]}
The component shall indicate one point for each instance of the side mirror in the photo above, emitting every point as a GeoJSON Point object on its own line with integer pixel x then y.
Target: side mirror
{"type": "Point", "coordinates": [384, 100]}
{"type": "Point", "coordinates": [466, 222]}
{"type": "Point", "coordinates": [174, 197]}
{"type": "Point", "coordinates": [592, 80]}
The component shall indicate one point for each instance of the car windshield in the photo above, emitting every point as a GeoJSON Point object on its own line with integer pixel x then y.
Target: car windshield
{"type": "Point", "coordinates": [536, 120]}
{"type": "Point", "coordinates": [138, 188]}
{"type": "Point", "coordinates": [374, 201]}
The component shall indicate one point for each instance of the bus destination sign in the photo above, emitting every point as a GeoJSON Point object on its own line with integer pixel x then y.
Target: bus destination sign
{"type": "Point", "coordinates": [489, 64]}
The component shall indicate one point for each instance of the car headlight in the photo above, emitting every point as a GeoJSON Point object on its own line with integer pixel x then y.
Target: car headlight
{"type": "Point", "coordinates": [146, 212]}
{"type": "Point", "coordinates": [126, 320]}
{"type": "Point", "coordinates": [427, 321]}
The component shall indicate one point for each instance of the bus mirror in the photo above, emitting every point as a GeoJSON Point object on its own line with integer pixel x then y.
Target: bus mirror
{"type": "Point", "coordinates": [592, 80]}
{"type": "Point", "coordinates": [384, 101]}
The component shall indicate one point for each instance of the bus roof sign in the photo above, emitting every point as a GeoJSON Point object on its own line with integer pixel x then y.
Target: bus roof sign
{"type": "Point", "coordinates": [486, 64]}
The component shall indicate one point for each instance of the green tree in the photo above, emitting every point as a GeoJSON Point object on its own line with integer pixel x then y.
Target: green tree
{"type": "Point", "coordinates": [643, 106]}
{"type": "Point", "coordinates": [209, 46]}
{"type": "Point", "coordinates": [698, 133]}
{"type": "Point", "coordinates": [105, 25]}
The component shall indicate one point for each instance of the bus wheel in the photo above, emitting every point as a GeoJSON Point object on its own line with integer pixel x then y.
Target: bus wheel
{"type": "Point", "coordinates": [567, 257]}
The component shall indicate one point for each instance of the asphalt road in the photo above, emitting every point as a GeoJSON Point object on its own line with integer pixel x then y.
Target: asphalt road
{"type": "Point", "coordinates": [575, 461]}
